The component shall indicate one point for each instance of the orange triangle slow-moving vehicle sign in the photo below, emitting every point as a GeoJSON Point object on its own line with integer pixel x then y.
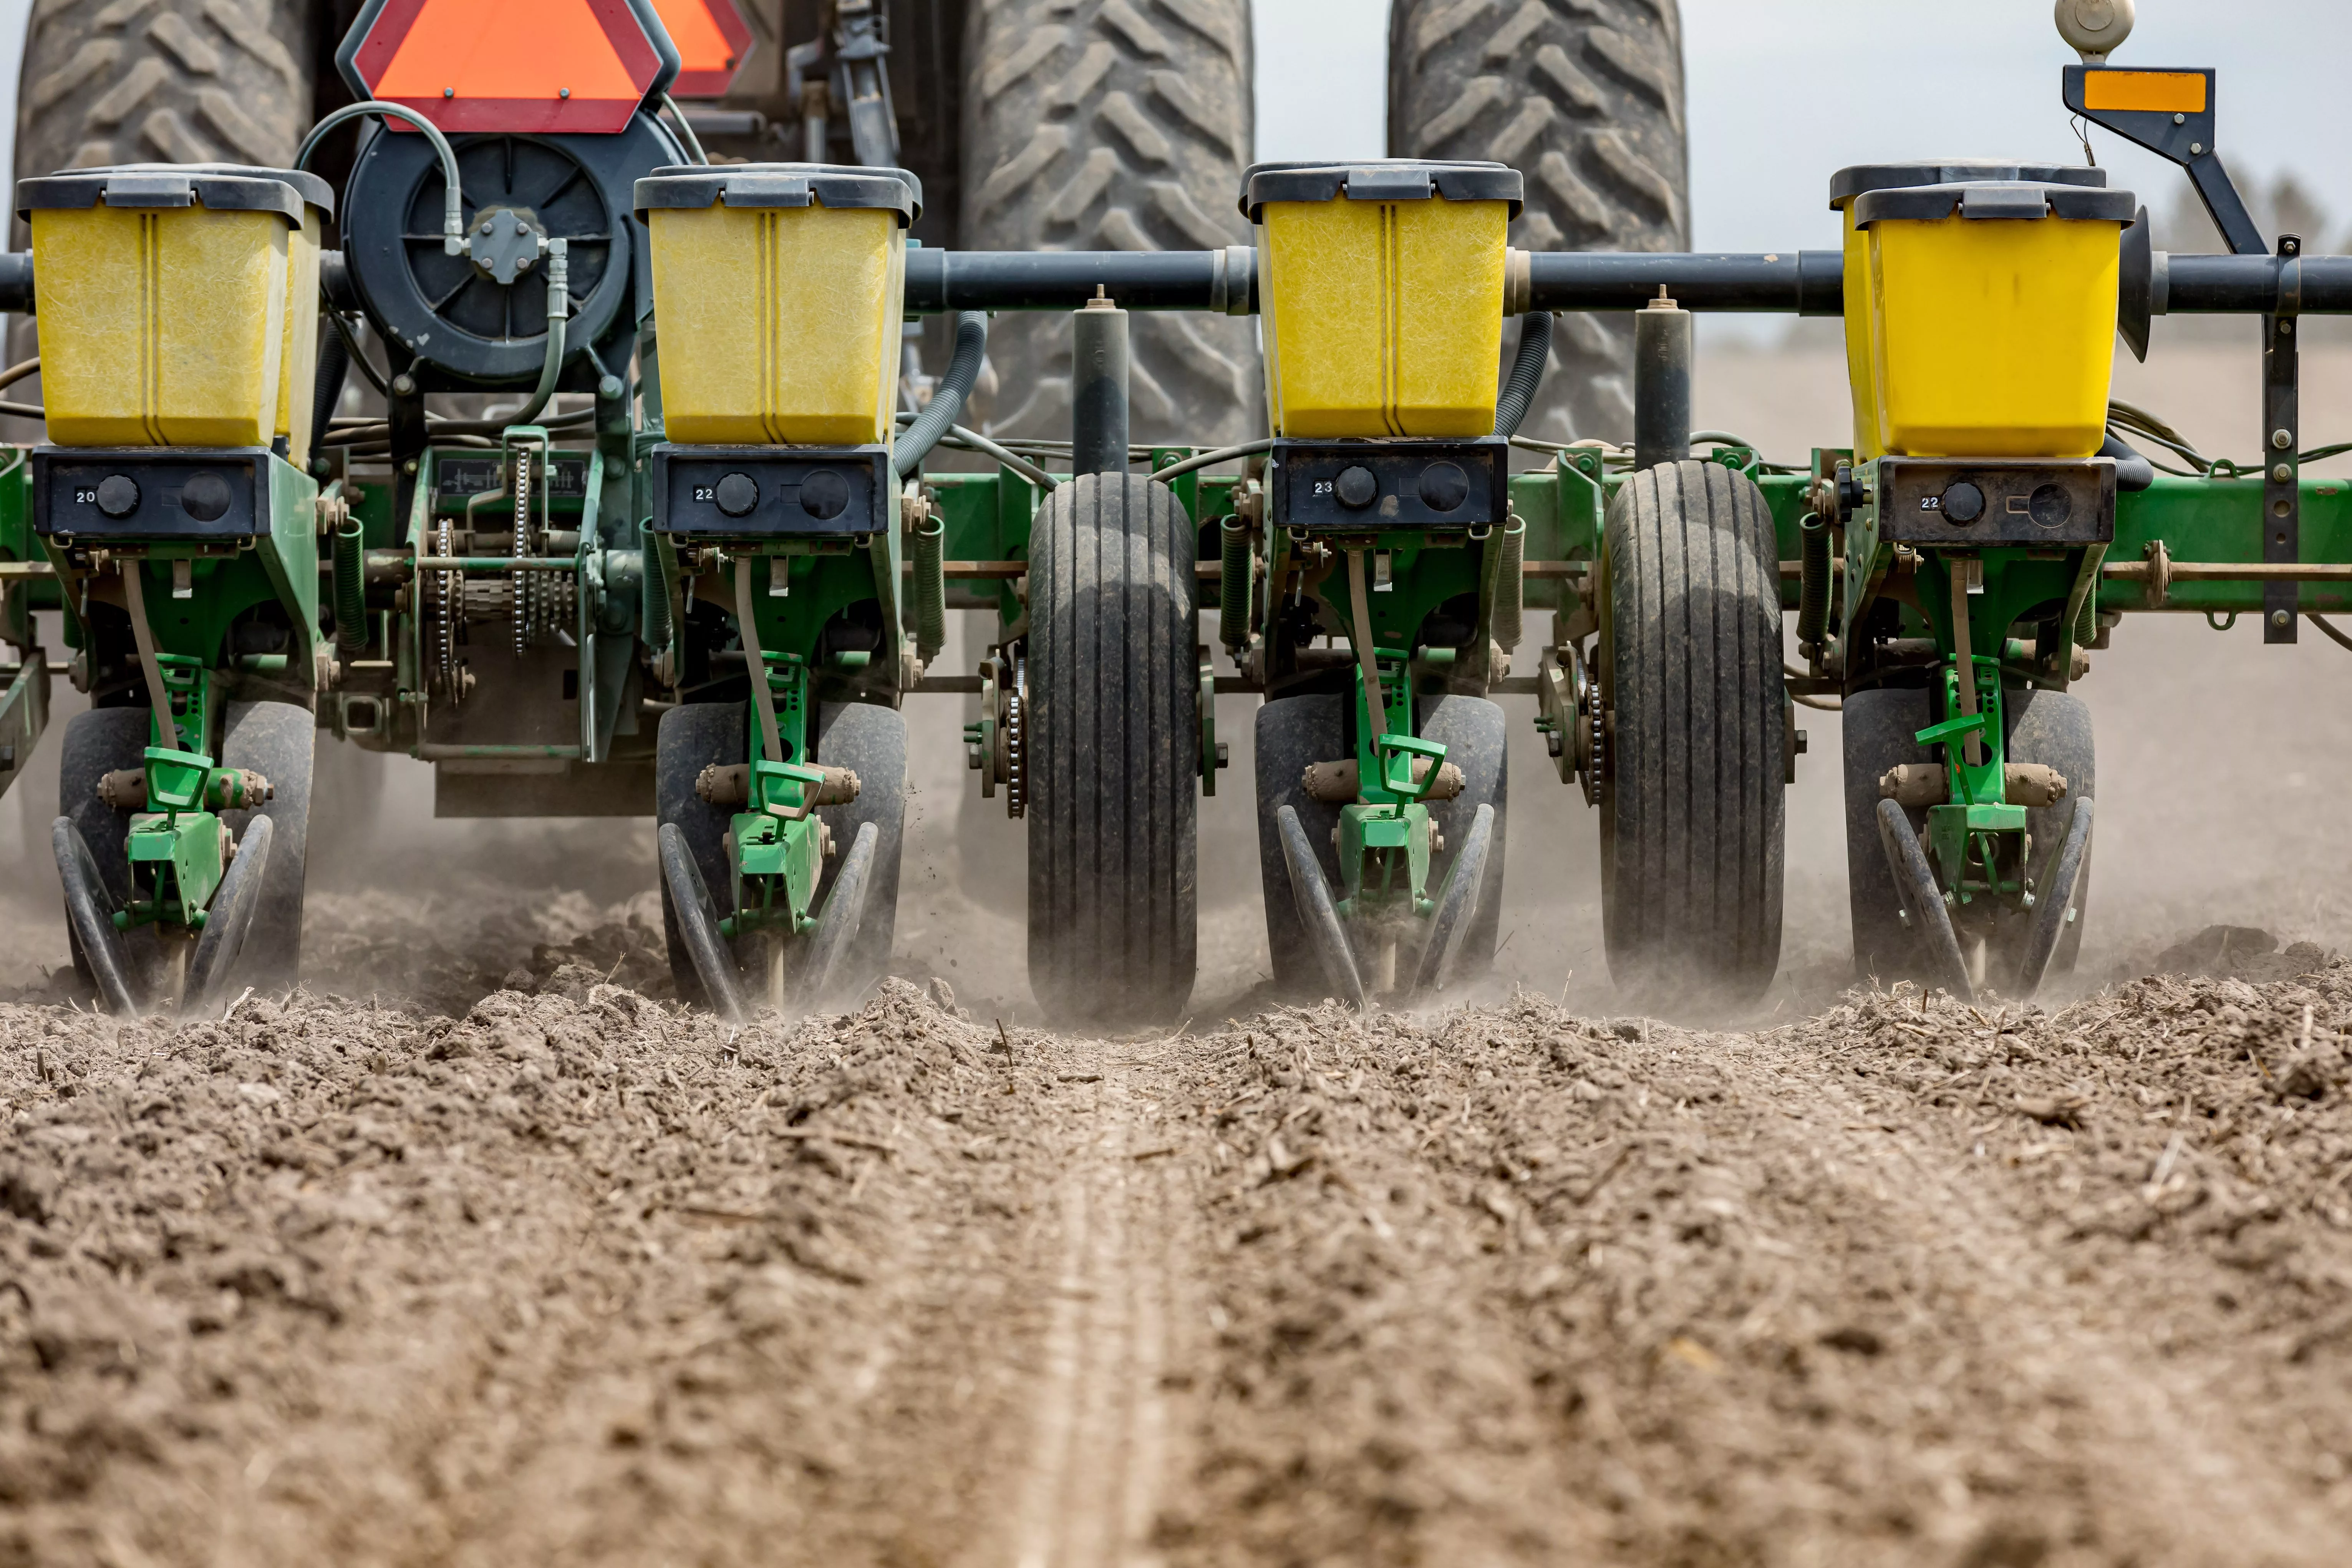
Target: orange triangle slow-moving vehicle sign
{"type": "Point", "coordinates": [534, 66]}
{"type": "Point", "coordinates": [712, 39]}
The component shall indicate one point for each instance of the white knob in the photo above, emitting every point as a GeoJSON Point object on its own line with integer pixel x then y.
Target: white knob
{"type": "Point", "coordinates": [2095, 28]}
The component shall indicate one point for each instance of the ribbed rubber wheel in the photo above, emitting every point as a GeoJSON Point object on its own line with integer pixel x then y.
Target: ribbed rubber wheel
{"type": "Point", "coordinates": [1112, 126]}
{"type": "Point", "coordinates": [1293, 732]}
{"type": "Point", "coordinates": [1114, 755]}
{"type": "Point", "coordinates": [2053, 728]}
{"type": "Point", "coordinates": [1585, 99]}
{"type": "Point", "coordinates": [872, 740]}
{"type": "Point", "coordinates": [172, 81]}
{"type": "Point", "coordinates": [1693, 821]}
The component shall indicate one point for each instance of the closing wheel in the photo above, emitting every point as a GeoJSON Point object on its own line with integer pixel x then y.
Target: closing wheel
{"type": "Point", "coordinates": [1292, 734]}
{"type": "Point", "coordinates": [691, 739]}
{"type": "Point", "coordinates": [822, 972]}
{"type": "Point", "coordinates": [90, 913]}
{"type": "Point", "coordinates": [2053, 728]}
{"type": "Point", "coordinates": [1114, 750]}
{"type": "Point", "coordinates": [694, 924]}
{"type": "Point", "coordinates": [1456, 901]}
{"type": "Point", "coordinates": [1693, 820]}
{"type": "Point", "coordinates": [2055, 913]}
{"type": "Point", "coordinates": [1476, 737]}
{"type": "Point", "coordinates": [229, 923]}
{"type": "Point", "coordinates": [98, 742]}
{"type": "Point", "coordinates": [276, 741]}
{"type": "Point", "coordinates": [1878, 727]}
{"type": "Point", "coordinates": [1924, 910]}
{"type": "Point", "coordinates": [871, 742]}
{"type": "Point", "coordinates": [1319, 918]}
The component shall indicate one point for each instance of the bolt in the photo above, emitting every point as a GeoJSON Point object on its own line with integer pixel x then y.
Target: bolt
{"type": "Point", "coordinates": [2283, 474]}
{"type": "Point", "coordinates": [611, 387]}
{"type": "Point", "coordinates": [2278, 617]}
{"type": "Point", "coordinates": [449, 92]}
{"type": "Point", "coordinates": [2180, 119]}
{"type": "Point", "coordinates": [409, 467]}
{"type": "Point", "coordinates": [2282, 439]}
{"type": "Point", "coordinates": [403, 385]}
{"type": "Point", "coordinates": [2197, 149]}
{"type": "Point", "coordinates": [2028, 900]}
{"type": "Point", "coordinates": [563, 92]}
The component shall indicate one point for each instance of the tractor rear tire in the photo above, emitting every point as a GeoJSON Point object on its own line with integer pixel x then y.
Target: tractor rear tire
{"type": "Point", "coordinates": [1878, 727]}
{"type": "Point", "coordinates": [1112, 126]}
{"type": "Point", "coordinates": [690, 739]}
{"type": "Point", "coordinates": [278, 740]}
{"type": "Point", "coordinates": [871, 741]}
{"type": "Point", "coordinates": [1587, 101]}
{"type": "Point", "coordinates": [1693, 822]}
{"type": "Point", "coordinates": [1293, 733]}
{"type": "Point", "coordinates": [1113, 755]}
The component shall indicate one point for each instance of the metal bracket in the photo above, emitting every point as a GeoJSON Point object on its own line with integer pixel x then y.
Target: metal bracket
{"type": "Point", "coordinates": [2171, 113]}
{"type": "Point", "coordinates": [2282, 439]}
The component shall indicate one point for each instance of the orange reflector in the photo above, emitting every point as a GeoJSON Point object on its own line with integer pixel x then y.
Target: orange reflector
{"type": "Point", "coordinates": [534, 66]}
{"type": "Point", "coordinates": [2161, 92]}
{"type": "Point", "coordinates": [711, 39]}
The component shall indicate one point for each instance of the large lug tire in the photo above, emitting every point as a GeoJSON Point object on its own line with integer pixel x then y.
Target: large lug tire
{"type": "Point", "coordinates": [1114, 753]}
{"type": "Point", "coordinates": [691, 739]}
{"type": "Point", "coordinates": [872, 740]}
{"type": "Point", "coordinates": [1587, 101]}
{"type": "Point", "coordinates": [1475, 735]}
{"type": "Point", "coordinates": [1112, 126]}
{"type": "Point", "coordinates": [97, 742]}
{"type": "Point", "coordinates": [278, 740]}
{"type": "Point", "coordinates": [1292, 734]}
{"type": "Point", "coordinates": [2054, 727]}
{"type": "Point", "coordinates": [1693, 822]}
{"type": "Point", "coordinates": [1878, 727]}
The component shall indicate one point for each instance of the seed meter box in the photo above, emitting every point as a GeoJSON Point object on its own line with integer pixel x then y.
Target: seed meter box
{"type": "Point", "coordinates": [176, 303]}
{"type": "Point", "coordinates": [780, 290]}
{"type": "Point", "coordinates": [1849, 185]}
{"type": "Point", "coordinates": [759, 492]}
{"type": "Point", "coordinates": [1957, 502]}
{"type": "Point", "coordinates": [1993, 316]}
{"type": "Point", "coordinates": [1382, 294]}
{"type": "Point", "coordinates": [1361, 487]}
{"type": "Point", "coordinates": [138, 493]}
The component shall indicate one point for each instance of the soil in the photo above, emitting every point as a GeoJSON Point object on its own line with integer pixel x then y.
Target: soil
{"type": "Point", "coordinates": [480, 1249]}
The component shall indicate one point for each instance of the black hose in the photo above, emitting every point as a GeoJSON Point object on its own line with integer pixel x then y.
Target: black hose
{"type": "Point", "coordinates": [327, 391]}
{"type": "Point", "coordinates": [2132, 471]}
{"type": "Point", "coordinates": [1813, 583]}
{"type": "Point", "coordinates": [915, 443]}
{"type": "Point", "coordinates": [1527, 372]}
{"type": "Point", "coordinates": [1233, 584]}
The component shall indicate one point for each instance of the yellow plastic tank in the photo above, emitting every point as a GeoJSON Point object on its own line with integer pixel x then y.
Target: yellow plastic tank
{"type": "Point", "coordinates": [1847, 186]}
{"type": "Point", "coordinates": [779, 290]}
{"type": "Point", "coordinates": [1380, 294]}
{"type": "Point", "coordinates": [177, 304]}
{"type": "Point", "coordinates": [1993, 316]}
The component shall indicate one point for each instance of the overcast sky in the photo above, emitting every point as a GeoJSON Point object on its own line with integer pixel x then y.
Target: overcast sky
{"type": "Point", "coordinates": [1785, 92]}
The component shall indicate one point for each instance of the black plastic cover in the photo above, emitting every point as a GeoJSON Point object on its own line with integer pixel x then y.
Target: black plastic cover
{"type": "Point", "coordinates": [1384, 180]}
{"type": "Point", "coordinates": [1320, 486]}
{"type": "Point", "coordinates": [772, 492]}
{"type": "Point", "coordinates": [2022, 501]}
{"type": "Point", "coordinates": [65, 481]}
{"type": "Point", "coordinates": [1862, 178]}
{"type": "Point", "coordinates": [833, 185]}
{"type": "Point", "coordinates": [211, 185]}
{"type": "Point", "coordinates": [1993, 199]}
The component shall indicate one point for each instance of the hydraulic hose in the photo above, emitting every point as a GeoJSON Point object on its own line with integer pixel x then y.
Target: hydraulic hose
{"type": "Point", "coordinates": [915, 443]}
{"type": "Point", "coordinates": [1813, 583]}
{"type": "Point", "coordinates": [1233, 583]}
{"type": "Point", "coordinates": [327, 390]}
{"type": "Point", "coordinates": [453, 216]}
{"type": "Point", "coordinates": [351, 590]}
{"type": "Point", "coordinates": [1510, 581]}
{"type": "Point", "coordinates": [931, 588]}
{"type": "Point", "coordinates": [559, 308]}
{"type": "Point", "coordinates": [1527, 372]}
